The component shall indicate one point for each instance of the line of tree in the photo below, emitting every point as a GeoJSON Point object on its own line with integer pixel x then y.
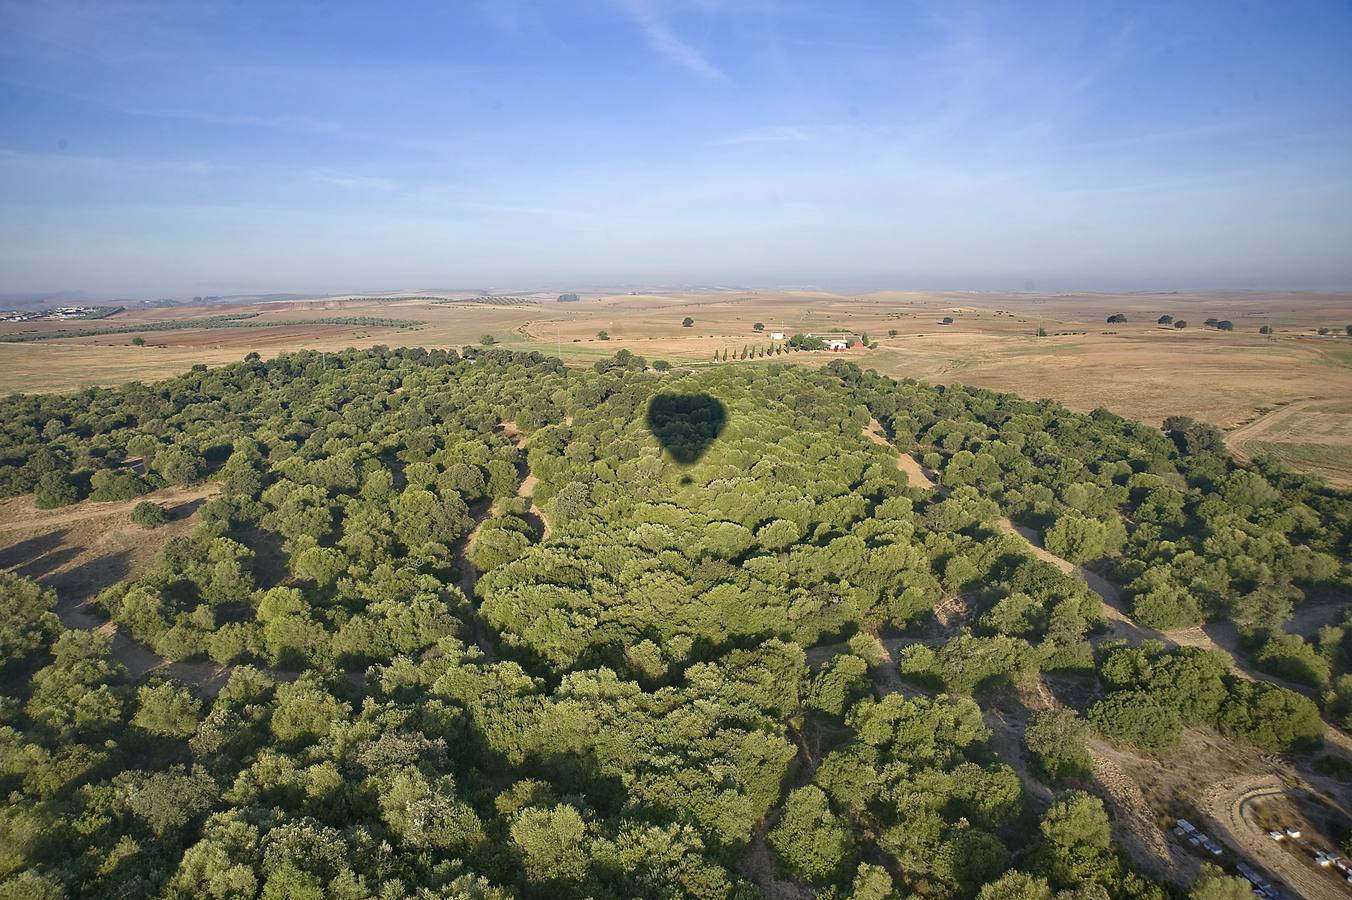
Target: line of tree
{"type": "Point", "coordinates": [245, 320]}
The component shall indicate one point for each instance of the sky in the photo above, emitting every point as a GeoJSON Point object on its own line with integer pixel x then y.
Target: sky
{"type": "Point", "coordinates": [174, 149]}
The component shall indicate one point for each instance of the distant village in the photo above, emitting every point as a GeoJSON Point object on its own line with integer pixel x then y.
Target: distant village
{"type": "Point", "coordinates": [60, 312]}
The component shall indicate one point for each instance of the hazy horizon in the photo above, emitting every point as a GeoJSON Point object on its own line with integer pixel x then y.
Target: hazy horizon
{"type": "Point", "coordinates": [175, 150]}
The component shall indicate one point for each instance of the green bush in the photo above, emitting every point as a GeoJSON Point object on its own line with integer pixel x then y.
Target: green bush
{"type": "Point", "coordinates": [111, 485]}
{"type": "Point", "coordinates": [55, 489]}
{"type": "Point", "coordinates": [811, 841]}
{"type": "Point", "coordinates": [148, 515]}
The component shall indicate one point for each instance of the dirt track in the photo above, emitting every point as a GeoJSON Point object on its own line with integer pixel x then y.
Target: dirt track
{"type": "Point", "coordinates": [1135, 824]}
{"type": "Point", "coordinates": [17, 514]}
{"type": "Point", "coordinates": [907, 463]}
{"type": "Point", "coordinates": [1271, 421]}
{"type": "Point", "coordinates": [1229, 805]}
{"type": "Point", "coordinates": [1299, 424]}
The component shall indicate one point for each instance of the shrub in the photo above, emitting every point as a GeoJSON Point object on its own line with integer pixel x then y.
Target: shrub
{"type": "Point", "coordinates": [1289, 656]}
{"type": "Point", "coordinates": [1271, 717]}
{"type": "Point", "coordinates": [1057, 739]}
{"type": "Point", "coordinates": [148, 515]}
{"type": "Point", "coordinates": [55, 489]}
{"type": "Point", "coordinates": [1076, 538]}
{"type": "Point", "coordinates": [111, 484]}
{"type": "Point", "coordinates": [1137, 717]}
{"type": "Point", "coordinates": [810, 840]}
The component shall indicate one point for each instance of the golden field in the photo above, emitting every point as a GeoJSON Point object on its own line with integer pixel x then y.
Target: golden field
{"type": "Point", "coordinates": [1289, 394]}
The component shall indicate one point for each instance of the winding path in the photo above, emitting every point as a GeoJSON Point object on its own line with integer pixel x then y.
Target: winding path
{"type": "Point", "coordinates": [1221, 636]}
{"type": "Point", "coordinates": [908, 464]}
{"type": "Point", "coordinates": [1134, 822]}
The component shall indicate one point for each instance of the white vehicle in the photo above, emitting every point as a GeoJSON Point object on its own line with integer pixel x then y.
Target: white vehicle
{"type": "Point", "coordinates": [1276, 835]}
{"type": "Point", "coordinates": [1293, 832]}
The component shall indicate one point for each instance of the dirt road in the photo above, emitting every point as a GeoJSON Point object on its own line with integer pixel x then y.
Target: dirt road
{"type": "Point", "coordinates": [1269, 422]}
{"type": "Point", "coordinates": [915, 473]}
{"type": "Point", "coordinates": [18, 514]}
{"type": "Point", "coordinates": [1229, 805]}
{"type": "Point", "coordinates": [1134, 823]}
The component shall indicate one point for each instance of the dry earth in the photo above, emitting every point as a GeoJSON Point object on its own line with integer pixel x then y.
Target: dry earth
{"type": "Point", "coordinates": [1284, 394]}
{"type": "Point", "coordinates": [79, 550]}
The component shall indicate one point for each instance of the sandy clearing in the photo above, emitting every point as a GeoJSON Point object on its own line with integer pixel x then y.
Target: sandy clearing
{"type": "Point", "coordinates": [79, 550]}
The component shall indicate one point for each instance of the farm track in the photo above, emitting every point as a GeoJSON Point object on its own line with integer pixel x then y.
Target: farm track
{"type": "Point", "coordinates": [1229, 805]}
{"type": "Point", "coordinates": [1237, 439]}
{"type": "Point", "coordinates": [18, 514]}
{"type": "Point", "coordinates": [1134, 823]}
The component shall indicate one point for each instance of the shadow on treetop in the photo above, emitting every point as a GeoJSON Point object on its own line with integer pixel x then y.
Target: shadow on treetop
{"type": "Point", "coordinates": [686, 424]}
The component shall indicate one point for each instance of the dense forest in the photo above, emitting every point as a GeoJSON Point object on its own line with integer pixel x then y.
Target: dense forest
{"type": "Point", "coordinates": [497, 628]}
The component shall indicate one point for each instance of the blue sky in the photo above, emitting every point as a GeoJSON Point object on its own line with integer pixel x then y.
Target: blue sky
{"type": "Point", "coordinates": [152, 149]}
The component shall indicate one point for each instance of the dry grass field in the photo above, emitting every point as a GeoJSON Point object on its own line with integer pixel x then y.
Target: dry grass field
{"type": "Point", "coordinates": [1284, 394]}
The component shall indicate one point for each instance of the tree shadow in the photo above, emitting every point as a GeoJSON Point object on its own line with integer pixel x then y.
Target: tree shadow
{"type": "Point", "coordinates": [48, 562]}
{"type": "Point", "coordinates": [183, 510]}
{"type": "Point", "coordinates": [31, 549]}
{"type": "Point", "coordinates": [270, 556]}
{"type": "Point", "coordinates": [77, 585]}
{"type": "Point", "coordinates": [686, 424]}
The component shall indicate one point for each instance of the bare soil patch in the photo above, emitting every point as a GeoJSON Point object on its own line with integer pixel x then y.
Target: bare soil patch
{"type": "Point", "coordinates": [79, 550]}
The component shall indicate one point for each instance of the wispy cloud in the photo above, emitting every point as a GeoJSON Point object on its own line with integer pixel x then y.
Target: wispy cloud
{"type": "Point", "coordinates": [353, 182]}
{"type": "Point", "coordinates": [802, 134]}
{"type": "Point", "coordinates": [774, 134]}
{"type": "Point", "coordinates": [248, 120]}
{"type": "Point", "coordinates": [94, 163]}
{"type": "Point", "coordinates": [666, 42]}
